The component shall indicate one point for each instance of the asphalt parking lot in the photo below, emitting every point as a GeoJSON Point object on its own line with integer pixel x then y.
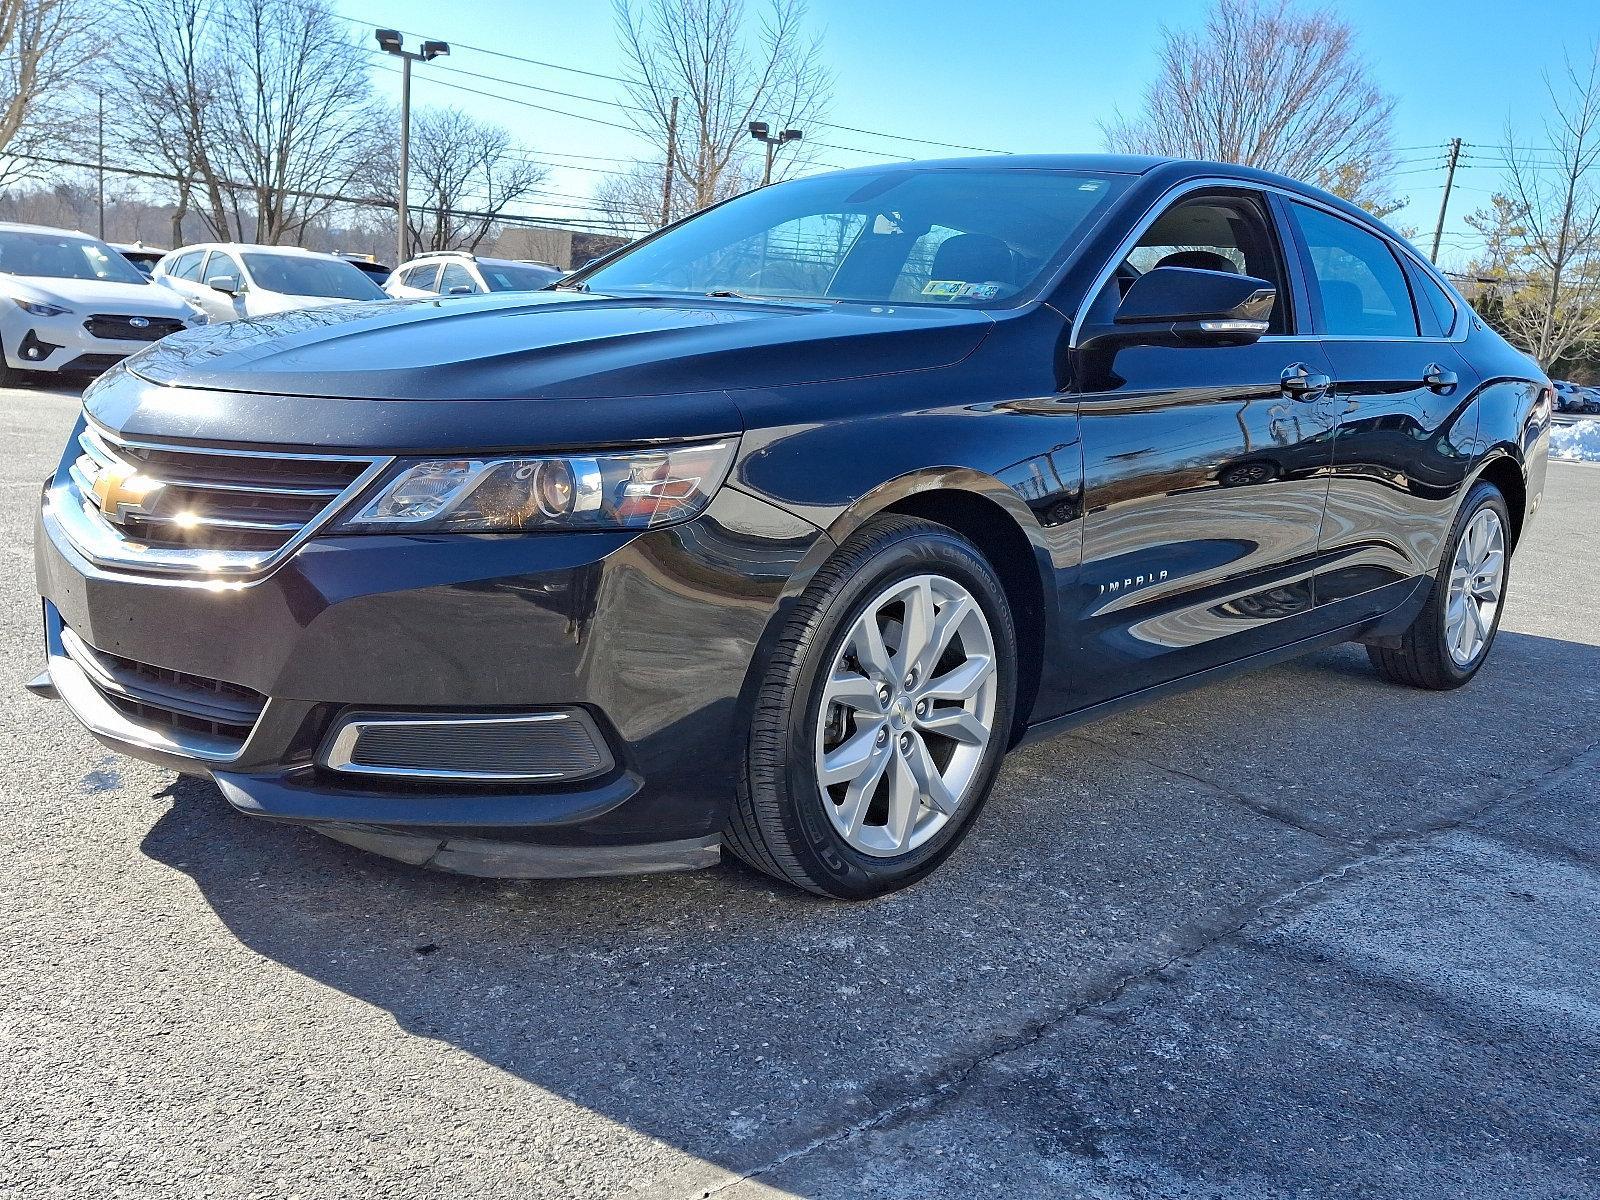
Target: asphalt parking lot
{"type": "Point", "coordinates": [1302, 933]}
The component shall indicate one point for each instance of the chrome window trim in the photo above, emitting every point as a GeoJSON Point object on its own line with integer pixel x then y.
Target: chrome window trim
{"type": "Point", "coordinates": [1178, 190]}
{"type": "Point", "coordinates": [94, 538]}
{"type": "Point", "coordinates": [340, 745]}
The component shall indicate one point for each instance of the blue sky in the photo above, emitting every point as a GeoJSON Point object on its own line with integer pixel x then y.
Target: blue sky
{"type": "Point", "coordinates": [1013, 75]}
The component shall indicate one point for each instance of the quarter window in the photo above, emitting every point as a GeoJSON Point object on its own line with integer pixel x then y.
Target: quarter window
{"type": "Point", "coordinates": [1357, 277]}
{"type": "Point", "coordinates": [1437, 299]}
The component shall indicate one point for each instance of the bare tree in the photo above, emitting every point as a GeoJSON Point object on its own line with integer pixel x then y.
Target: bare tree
{"type": "Point", "coordinates": [1542, 230]}
{"type": "Point", "coordinates": [465, 174]}
{"type": "Point", "coordinates": [259, 110]}
{"type": "Point", "coordinates": [294, 114]}
{"type": "Point", "coordinates": [165, 96]}
{"type": "Point", "coordinates": [725, 72]}
{"type": "Point", "coordinates": [1266, 85]}
{"type": "Point", "coordinates": [44, 47]}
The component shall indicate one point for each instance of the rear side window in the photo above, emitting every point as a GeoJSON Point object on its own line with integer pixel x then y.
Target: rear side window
{"type": "Point", "coordinates": [1359, 281]}
{"type": "Point", "coordinates": [422, 277]}
{"type": "Point", "coordinates": [187, 266]}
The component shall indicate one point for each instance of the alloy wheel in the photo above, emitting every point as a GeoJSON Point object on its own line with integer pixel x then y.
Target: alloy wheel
{"type": "Point", "coordinates": [906, 716]}
{"type": "Point", "coordinates": [1477, 576]}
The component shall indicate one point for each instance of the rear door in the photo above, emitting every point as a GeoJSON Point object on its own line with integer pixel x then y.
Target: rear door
{"type": "Point", "coordinates": [1204, 469]}
{"type": "Point", "coordinates": [1402, 395]}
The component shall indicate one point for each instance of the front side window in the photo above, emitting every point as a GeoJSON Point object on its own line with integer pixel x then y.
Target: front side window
{"type": "Point", "coordinates": [298, 275]}
{"type": "Point", "coordinates": [52, 256]}
{"type": "Point", "coordinates": [220, 266]}
{"type": "Point", "coordinates": [455, 279]}
{"type": "Point", "coordinates": [1356, 276]}
{"type": "Point", "coordinates": [1213, 233]}
{"type": "Point", "coordinates": [967, 238]}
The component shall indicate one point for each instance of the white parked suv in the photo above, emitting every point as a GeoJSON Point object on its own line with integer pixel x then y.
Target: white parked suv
{"type": "Point", "coordinates": [230, 280]}
{"type": "Point", "coordinates": [69, 302]}
{"type": "Point", "coordinates": [457, 273]}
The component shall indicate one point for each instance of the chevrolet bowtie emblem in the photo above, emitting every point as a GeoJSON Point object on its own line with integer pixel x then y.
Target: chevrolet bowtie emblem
{"type": "Point", "coordinates": [123, 492]}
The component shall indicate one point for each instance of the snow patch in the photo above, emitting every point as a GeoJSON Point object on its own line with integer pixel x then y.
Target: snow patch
{"type": "Point", "coordinates": [1578, 442]}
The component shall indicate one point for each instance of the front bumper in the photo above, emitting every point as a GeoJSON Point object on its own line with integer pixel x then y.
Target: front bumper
{"type": "Point", "coordinates": [652, 635]}
{"type": "Point", "coordinates": [62, 343]}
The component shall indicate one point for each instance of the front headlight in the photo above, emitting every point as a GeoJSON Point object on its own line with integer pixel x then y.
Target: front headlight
{"type": "Point", "coordinates": [633, 489]}
{"type": "Point", "coordinates": [41, 310]}
{"type": "Point", "coordinates": [197, 315]}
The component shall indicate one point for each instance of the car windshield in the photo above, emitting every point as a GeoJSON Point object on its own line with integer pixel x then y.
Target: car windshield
{"type": "Point", "coordinates": [516, 277]}
{"type": "Point", "coordinates": [968, 237]}
{"type": "Point", "coordinates": [306, 276]}
{"type": "Point", "coordinates": [56, 256]}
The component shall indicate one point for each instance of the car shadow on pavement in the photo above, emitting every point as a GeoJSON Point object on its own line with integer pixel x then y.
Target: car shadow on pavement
{"type": "Point", "coordinates": [735, 1019]}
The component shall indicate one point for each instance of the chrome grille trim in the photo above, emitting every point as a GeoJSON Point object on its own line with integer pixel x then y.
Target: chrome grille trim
{"type": "Point", "coordinates": [574, 747]}
{"type": "Point", "coordinates": [135, 543]}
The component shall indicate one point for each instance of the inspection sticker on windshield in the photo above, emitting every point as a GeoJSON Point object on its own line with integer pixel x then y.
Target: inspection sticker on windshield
{"type": "Point", "coordinates": [948, 288]}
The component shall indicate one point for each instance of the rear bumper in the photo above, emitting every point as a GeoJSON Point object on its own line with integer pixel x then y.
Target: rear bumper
{"type": "Point", "coordinates": [652, 636]}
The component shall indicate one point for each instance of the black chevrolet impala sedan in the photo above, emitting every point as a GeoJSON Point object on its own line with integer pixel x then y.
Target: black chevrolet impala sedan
{"type": "Point", "coordinates": [775, 530]}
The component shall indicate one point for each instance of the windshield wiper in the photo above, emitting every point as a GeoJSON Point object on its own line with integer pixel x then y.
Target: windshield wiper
{"type": "Point", "coordinates": [578, 286]}
{"type": "Point", "coordinates": [731, 294]}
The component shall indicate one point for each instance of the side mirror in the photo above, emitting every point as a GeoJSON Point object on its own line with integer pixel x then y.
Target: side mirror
{"type": "Point", "coordinates": [461, 289]}
{"type": "Point", "coordinates": [227, 283]}
{"type": "Point", "coordinates": [1185, 306]}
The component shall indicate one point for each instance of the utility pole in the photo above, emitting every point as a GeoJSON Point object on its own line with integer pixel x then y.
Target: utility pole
{"type": "Point", "coordinates": [672, 160]}
{"type": "Point", "coordinates": [100, 159]}
{"type": "Point", "coordinates": [1444, 202]}
{"type": "Point", "coordinates": [391, 41]}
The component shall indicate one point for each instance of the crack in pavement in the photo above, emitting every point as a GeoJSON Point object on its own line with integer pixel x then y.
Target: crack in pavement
{"type": "Point", "coordinates": [942, 1087]}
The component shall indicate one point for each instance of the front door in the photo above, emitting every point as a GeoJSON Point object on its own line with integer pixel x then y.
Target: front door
{"type": "Point", "coordinates": [1205, 472]}
{"type": "Point", "coordinates": [1401, 393]}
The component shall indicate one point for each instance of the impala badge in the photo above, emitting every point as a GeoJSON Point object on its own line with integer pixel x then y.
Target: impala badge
{"type": "Point", "coordinates": [1114, 586]}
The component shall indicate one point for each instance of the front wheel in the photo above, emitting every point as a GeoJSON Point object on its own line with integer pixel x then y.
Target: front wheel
{"type": "Point", "coordinates": [1451, 637]}
{"type": "Point", "coordinates": [886, 710]}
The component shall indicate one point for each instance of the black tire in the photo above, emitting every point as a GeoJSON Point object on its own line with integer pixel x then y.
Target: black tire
{"type": "Point", "coordinates": [778, 824]}
{"type": "Point", "coordinates": [1422, 659]}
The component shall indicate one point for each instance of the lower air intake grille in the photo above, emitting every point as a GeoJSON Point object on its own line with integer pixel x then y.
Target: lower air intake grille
{"type": "Point", "coordinates": [169, 701]}
{"type": "Point", "coordinates": [555, 746]}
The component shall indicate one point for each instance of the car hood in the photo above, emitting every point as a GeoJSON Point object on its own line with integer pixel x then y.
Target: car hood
{"type": "Point", "coordinates": [534, 345]}
{"type": "Point", "coordinates": [96, 295]}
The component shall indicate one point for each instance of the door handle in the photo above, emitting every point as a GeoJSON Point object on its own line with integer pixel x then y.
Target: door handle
{"type": "Point", "coordinates": [1302, 383]}
{"type": "Point", "coordinates": [1438, 379]}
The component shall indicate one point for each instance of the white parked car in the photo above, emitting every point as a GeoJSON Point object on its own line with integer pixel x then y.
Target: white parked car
{"type": "Point", "coordinates": [69, 302]}
{"type": "Point", "coordinates": [457, 273]}
{"type": "Point", "coordinates": [230, 280]}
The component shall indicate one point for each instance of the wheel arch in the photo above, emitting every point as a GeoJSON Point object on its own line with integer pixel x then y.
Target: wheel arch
{"type": "Point", "coordinates": [994, 518]}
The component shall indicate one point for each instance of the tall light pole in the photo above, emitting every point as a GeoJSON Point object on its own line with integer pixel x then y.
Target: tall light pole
{"type": "Point", "coordinates": [762, 132]}
{"type": "Point", "coordinates": [391, 41]}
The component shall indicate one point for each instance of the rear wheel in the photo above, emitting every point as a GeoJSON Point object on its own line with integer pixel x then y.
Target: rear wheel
{"type": "Point", "coordinates": [881, 724]}
{"type": "Point", "coordinates": [1451, 637]}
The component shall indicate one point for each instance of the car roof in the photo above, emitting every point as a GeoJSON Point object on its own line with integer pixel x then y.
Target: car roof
{"type": "Point", "coordinates": [1162, 171]}
{"type": "Point", "coordinates": [261, 247]}
{"type": "Point", "coordinates": [20, 227]}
